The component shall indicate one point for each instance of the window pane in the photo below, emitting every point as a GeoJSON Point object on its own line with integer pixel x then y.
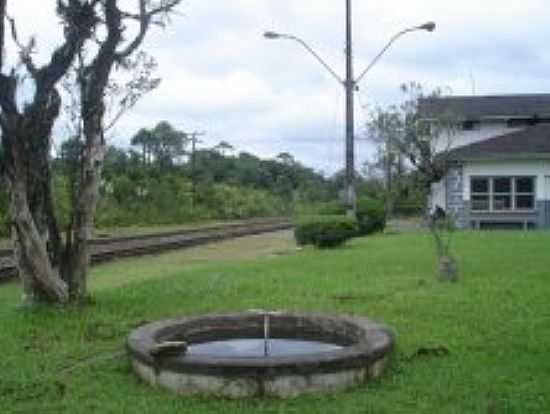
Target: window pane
{"type": "Point", "coordinates": [503, 185]}
{"type": "Point", "coordinates": [480, 203]}
{"type": "Point", "coordinates": [524, 202]}
{"type": "Point", "coordinates": [525, 185]}
{"type": "Point", "coordinates": [480, 185]}
{"type": "Point", "coordinates": [502, 202]}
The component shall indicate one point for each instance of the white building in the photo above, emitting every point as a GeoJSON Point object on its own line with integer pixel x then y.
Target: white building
{"type": "Point", "coordinates": [498, 160]}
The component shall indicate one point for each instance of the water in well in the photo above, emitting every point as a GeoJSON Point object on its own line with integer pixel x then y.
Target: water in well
{"type": "Point", "coordinates": [258, 348]}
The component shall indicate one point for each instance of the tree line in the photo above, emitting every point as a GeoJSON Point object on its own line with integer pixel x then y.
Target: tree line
{"type": "Point", "coordinates": [163, 179]}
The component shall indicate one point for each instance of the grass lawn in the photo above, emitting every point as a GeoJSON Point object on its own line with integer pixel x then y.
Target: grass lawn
{"type": "Point", "coordinates": [495, 324]}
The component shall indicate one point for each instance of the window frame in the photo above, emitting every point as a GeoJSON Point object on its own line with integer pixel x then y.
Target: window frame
{"type": "Point", "coordinates": [513, 194]}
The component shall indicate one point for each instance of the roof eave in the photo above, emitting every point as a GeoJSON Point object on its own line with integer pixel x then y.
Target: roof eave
{"type": "Point", "coordinates": [461, 118]}
{"type": "Point", "coordinates": [501, 157]}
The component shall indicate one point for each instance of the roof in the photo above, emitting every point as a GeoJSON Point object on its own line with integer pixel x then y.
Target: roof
{"type": "Point", "coordinates": [531, 142]}
{"type": "Point", "coordinates": [487, 107]}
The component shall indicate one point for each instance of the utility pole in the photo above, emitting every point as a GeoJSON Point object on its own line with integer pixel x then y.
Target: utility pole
{"type": "Point", "coordinates": [349, 85]}
{"type": "Point", "coordinates": [193, 136]}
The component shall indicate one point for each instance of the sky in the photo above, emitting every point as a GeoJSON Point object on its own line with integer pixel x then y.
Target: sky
{"type": "Point", "coordinates": [220, 76]}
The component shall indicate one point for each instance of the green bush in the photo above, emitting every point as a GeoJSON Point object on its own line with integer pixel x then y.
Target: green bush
{"type": "Point", "coordinates": [371, 216]}
{"type": "Point", "coordinates": [331, 208]}
{"type": "Point", "coordinates": [325, 231]}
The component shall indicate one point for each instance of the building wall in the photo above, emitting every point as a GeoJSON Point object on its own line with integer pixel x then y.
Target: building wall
{"type": "Point", "coordinates": [455, 187]}
{"type": "Point", "coordinates": [482, 132]}
{"type": "Point", "coordinates": [457, 192]}
{"type": "Point", "coordinates": [455, 203]}
{"type": "Point", "coordinates": [438, 196]}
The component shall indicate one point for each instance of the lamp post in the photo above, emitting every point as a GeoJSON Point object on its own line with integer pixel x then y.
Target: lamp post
{"type": "Point", "coordinates": [350, 84]}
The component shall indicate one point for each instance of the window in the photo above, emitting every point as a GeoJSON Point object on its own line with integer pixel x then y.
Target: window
{"type": "Point", "coordinates": [470, 125]}
{"type": "Point", "coordinates": [527, 121]}
{"type": "Point", "coordinates": [501, 194]}
{"type": "Point", "coordinates": [481, 194]}
{"type": "Point", "coordinates": [525, 193]}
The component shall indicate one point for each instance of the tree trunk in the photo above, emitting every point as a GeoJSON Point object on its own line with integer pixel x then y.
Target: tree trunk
{"type": "Point", "coordinates": [86, 206]}
{"type": "Point", "coordinates": [41, 282]}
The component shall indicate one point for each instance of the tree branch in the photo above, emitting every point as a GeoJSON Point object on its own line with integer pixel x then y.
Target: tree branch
{"type": "Point", "coordinates": [25, 52]}
{"type": "Point", "coordinates": [2, 32]}
{"type": "Point", "coordinates": [80, 20]}
{"type": "Point", "coordinates": [145, 18]}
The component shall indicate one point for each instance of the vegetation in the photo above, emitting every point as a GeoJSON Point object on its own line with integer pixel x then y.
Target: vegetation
{"type": "Point", "coordinates": [475, 347]}
{"type": "Point", "coordinates": [442, 229]}
{"type": "Point", "coordinates": [411, 153]}
{"type": "Point", "coordinates": [160, 181]}
{"type": "Point", "coordinates": [147, 187]}
{"type": "Point", "coordinates": [371, 214]}
{"type": "Point", "coordinates": [325, 231]}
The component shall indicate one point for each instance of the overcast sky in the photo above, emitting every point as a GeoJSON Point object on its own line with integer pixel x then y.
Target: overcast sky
{"type": "Point", "coordinates": [220, 76]}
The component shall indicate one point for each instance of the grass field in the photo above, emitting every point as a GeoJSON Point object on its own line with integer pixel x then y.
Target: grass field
{"type": "Point", "coordinates": [492, 328]}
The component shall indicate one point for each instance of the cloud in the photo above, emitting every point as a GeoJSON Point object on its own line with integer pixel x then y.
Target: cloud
{"type": "Point", "coordinates": [221, 76]}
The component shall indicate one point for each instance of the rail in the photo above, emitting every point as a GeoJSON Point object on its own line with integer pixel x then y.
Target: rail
{"type": "Point", "coordinates": [112, 248]}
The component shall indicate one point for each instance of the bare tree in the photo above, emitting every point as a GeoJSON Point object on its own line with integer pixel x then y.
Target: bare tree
{"type": "Point", "coordinates": [385, 128]}
{"type": "Point", "coordinates": [442, 228]}
{"type": "Point", "coordinates": [425, 144]}
{"type": "Point", "coordinates": [402, 134]}
{"type": "Point", "coordinates": [95, 33]}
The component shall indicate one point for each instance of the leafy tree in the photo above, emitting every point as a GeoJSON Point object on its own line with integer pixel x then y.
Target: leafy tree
{"type": "Point", "coordinates": [169, 144]}
{"type": "Point", "coordinates": [163, 144]}
{"type": "Point", "coordinates": [224, 148]}
{"type": "Point", "coordinates": [144, 139]}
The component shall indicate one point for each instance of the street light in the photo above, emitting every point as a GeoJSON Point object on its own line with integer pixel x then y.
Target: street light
{"type": "Point", "coordinates": [429, 27]}
{"type": "Point", "coordinates": [275, 35]}
{"type": "Point", "coordinates": [350, 84]}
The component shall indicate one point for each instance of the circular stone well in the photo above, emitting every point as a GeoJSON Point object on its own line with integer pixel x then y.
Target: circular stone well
{"type": "Point", "coordinates": [353, 349]}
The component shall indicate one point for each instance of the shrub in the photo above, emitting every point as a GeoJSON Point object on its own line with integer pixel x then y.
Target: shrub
{"type": "Point", "coordinates": [371, 216]}
{"type": "Point", "coordinates": [325, 231]}
{"type": "Point", "coordinates": [331, 208]}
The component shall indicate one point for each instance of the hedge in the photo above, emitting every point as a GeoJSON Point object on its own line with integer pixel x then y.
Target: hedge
{"type": "Point", "coordinates": [371, 214]}
{"type": "Point", "coordinates": [325, 231]}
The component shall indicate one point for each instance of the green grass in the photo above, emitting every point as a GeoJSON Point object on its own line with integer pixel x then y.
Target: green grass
{"type": "Point", "coordinates": [495, 323]}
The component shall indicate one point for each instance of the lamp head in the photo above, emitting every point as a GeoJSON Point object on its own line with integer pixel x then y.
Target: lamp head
{"type": "Point", "coordinates": [430, 26]}
{"type": "Point", "coordinates": [272, 35]}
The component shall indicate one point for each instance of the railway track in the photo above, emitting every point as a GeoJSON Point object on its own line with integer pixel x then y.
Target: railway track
{"type": "Point", "coordinates": [103, 250]}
